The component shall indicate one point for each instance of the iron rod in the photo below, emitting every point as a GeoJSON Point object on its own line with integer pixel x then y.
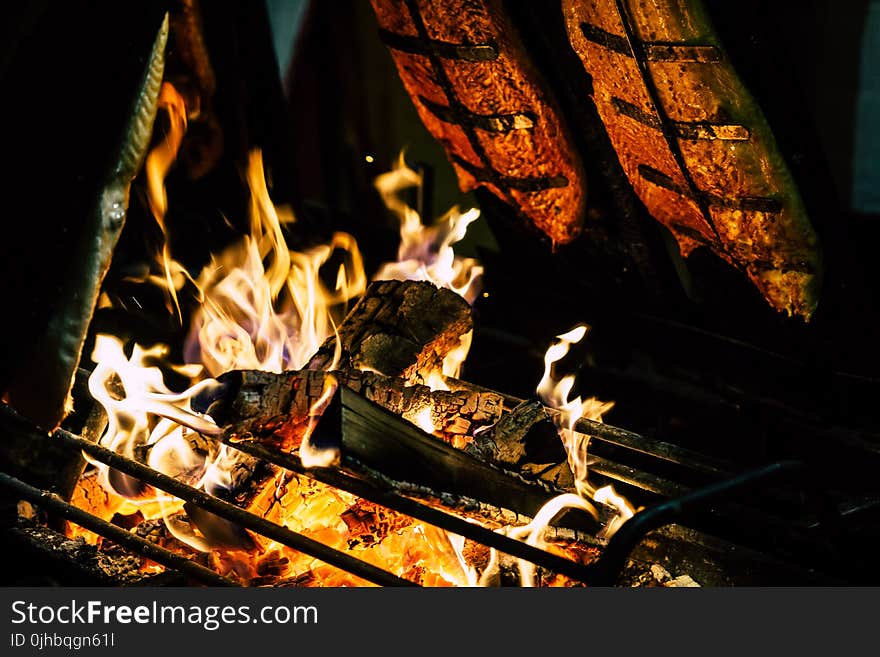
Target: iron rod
{"type": "Point", "coordinates": [608, 433]}
{"type": "Point", "coordinates": [233, 513]}
{"type": "Point", "coordinates": [621, 544]}
{"type": "Point", "coordinates": [51, 502]}
{"type": "Point", "coordinates": [636, 478]}
{"type": "Point", "coordinates": [417, 510]}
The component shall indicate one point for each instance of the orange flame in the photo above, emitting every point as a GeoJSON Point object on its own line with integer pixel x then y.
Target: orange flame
{"type": "Point", "coordinates": [156, 167]}
{"type": "Point", "coordinates": [263, 306]}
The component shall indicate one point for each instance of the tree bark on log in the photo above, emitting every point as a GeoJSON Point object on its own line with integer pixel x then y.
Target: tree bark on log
{"type": "Point", "coordinates": [398, 328]}
{"type": "Point", "coordinates": [525, 440]}
{"type": "Point", "coordinates": [275, 408]}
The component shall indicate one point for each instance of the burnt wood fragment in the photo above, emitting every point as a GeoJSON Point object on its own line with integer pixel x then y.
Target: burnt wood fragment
{"type": "Point", "coordinates": [398, 328]}
{"type": "Point", "coordinates": [275, 407]}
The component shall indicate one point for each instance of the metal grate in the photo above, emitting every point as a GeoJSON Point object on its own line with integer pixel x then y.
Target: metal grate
{"type": "Point", "coordinates": [694, 507]}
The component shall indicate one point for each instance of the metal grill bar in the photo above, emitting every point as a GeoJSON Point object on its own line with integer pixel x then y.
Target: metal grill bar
{"type": "Point", "coordinates": [51, 502]}
{"type": "Point", "coordinates": [613, 558]}
{"type": "Point", "coordinates": [233, 513]}
{"type": "Point", "coordinates": [417, 510]}
{"type": "Point", "coordinates": [635, 442]}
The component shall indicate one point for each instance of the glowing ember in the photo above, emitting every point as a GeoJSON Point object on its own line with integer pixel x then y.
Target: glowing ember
{"type": "Point", "coordinates": [262, 306]}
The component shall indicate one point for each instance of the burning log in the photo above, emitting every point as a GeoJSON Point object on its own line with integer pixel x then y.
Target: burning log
{"type": "Point", "coordinates": [383, 441]}
{"type": "Point", "coordinates": [399, 328]}
{"type": "Point", "coordinates": [275, 408]}
{"type": "Point", "coordinates": [525, 440]}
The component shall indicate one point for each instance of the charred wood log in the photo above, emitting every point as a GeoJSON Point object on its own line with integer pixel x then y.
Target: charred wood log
{"type": "Point", "coordinates": [61, 561]}
{"type": "Point", "coordinates": [275, 408]}
{"type": "Point", "coordinates": [382, 441]}
{"type": "Point", "coordinates": [525, 440]}
{"type": "Point", "coordinates": [398, 328]}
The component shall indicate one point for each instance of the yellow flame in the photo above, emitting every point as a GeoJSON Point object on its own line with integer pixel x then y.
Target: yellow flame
{"type": "Point", "coordinates": [263, 306]}
{"type": "Point", "coordinates": [311, 455]}
{"type": "Point", "coordinates": [555, 394]}
{"type": "Point", "coordinates": [625, 511]}
{"type": "Point", "coordinates": [534, 534]}
{"type": "Point", "coordinates": [156, 167]}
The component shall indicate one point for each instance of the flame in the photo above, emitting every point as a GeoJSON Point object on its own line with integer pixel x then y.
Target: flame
{"type": "Point", "coordinates": [625, 511]}
{"type": "Point", "coordinates": [148, 422]}
{"type": "Point", "coordinates": [263, 306]}
{"type": "Point", "coordinates": [533, 534]}
{"type": "Point", "coordinates": [260, 306]}
{"type": "Point", "coordinates": [313, 456]}
{"type": "Point", "coordinates": [556, 395]}
{"type": "Point", "coordinates": [156, 167]}
{"type": "Point", "coordinates": [426, 253]}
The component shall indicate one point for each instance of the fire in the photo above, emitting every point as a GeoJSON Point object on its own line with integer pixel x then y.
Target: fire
{"type": "Point", "coordinates": [555, 394]}
{"type": "Point", "coordinates": [263, 306]}
{"type": "Point", "coordinates": [156, 167]}
{"type": "Point", "coordinates": [426, 253]}
{"type": "Point", "coordinates": [146, 421]}
{"type": "Point", "coordinates": [533, 534]}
